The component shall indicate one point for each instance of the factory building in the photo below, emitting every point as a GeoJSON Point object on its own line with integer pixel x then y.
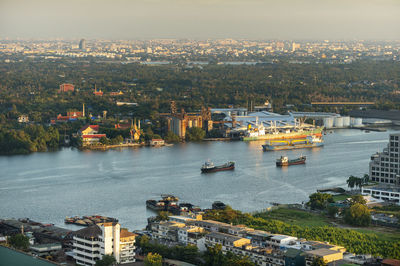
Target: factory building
{"type": "Point", "coordinates": [179, 123]}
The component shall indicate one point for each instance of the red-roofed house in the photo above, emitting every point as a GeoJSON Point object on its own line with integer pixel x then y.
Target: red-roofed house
{"type": "Point", "coordinates": [157, 142]}
{"type": "Point", "coordinates": [89, 129]}
{"type": "Point", "coordinates": [89, 134]}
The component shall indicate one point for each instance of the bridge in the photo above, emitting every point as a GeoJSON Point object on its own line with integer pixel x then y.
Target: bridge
{"type": "Point", "coordinates": [343, 103]}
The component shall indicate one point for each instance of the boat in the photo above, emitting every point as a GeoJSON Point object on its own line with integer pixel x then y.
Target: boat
{"type": "Point", "coordinates": [166, 203]}
{"type": "Point", "coordinates": [284, 161]}
{"type": "Point", "coordinates": [262, 134]}
{"type": "Point", "coordinates": [290, 144]}
{"type": "Point", "coordinates": [89, 220]}
{"type": "Point", "coordinates": [209, 167]}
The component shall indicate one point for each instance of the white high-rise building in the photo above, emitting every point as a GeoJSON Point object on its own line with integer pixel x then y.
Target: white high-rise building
{"type": "Point", "coordinates": [384, 167]}
{"type": "Point", "coordinates": [92, 243]}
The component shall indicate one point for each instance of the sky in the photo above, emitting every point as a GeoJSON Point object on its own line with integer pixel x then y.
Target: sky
{"type": "Point", "coordinates": [201, 19]}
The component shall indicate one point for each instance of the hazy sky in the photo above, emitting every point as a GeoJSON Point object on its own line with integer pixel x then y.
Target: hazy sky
{"type": "Point", "coordinates": [201, 19]}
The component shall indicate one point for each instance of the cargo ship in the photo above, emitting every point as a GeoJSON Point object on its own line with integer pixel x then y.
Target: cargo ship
{"type": "Point", "coordinates": [209, 167]}
{"type": "Point", "coordinates": [284, 161]}
{"type": "Point", "coordinates": [290, 144]}
{"type": "Point", "coordinates": [283, 134]}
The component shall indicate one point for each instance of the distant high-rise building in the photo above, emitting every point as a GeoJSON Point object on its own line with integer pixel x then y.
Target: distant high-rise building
{"type": "Point", "coordinates": [82, 44]}
{"type": "Point", "coordinates": [295, 46]}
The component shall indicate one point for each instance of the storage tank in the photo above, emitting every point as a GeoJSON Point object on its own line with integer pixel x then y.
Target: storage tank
{"type": "Point", "coordinates": [346, 121]}
{"type": "Point", "coordinates": [356, 122]}
{"type": "Point", "coordinates": [338, 122]}
{"type": "Point", "coordinates": [328, 122]}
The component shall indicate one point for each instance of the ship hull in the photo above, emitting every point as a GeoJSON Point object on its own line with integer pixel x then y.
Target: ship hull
{"type": "Point", "coordinates": [292, 135]}
{"type": "Point", "coordinates": [218, 168]}
{"type": "Point", "coordinates": [267, 147]}
{"type": "Point", "coordinates": [292, 162]}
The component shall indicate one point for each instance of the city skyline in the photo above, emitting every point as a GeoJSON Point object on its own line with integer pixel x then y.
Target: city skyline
{"type": "Point", "coordinates": [176, 19]}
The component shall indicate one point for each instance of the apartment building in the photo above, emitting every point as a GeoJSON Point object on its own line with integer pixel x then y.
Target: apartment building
{"type": "Point", "coordinates": [384, 166]}
{"type": "Point", "coordinates": [92, 243]}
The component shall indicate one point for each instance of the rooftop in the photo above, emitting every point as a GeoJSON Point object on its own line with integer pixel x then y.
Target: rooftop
{"type": "Point", "coordinates": [88, 232]}
{"type": "Point", "coordinates": [322, 252]}
{"type": "Point", "coordinates": [223, 236]}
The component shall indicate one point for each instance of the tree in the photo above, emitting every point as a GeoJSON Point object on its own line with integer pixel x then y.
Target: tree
{"type": "Point", "coordinates": [107, 260]}
{"type": "Point", "coordinates": [104, 140]}
{"type": "Point", "coordinates": [318, 261]}
{"type": "Point", "coordinates": [19, 241]}
{"type": "Point", "coordinates": [358, 214]}
{"type": "Point", "coordinates": [163, 216]}
{"type": "Point", "coordinates": [144, 240]}
{"type": "Point", "coordinates": [214, 256]}
{"type": "Point", "coordinates": [351, 181]}
{"type": "Point", "coordinates": [319, 200]}
{"type": "Point", "coordinates": [366, 179]}
{"type": "Point", "coordinates": [357, 199]}
{"type": "Point", "coordinates": [332, 211]}
{"type": "Point", "coordinates": [171, 137]}
{"type": "Point", "coordinates": [195, 134]}
{"type": "Point", "coordinates": [153, 259]}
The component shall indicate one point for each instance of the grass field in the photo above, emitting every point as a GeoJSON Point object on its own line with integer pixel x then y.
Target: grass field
{"type": "Point", "coordinates": [304, 218]}
{"type": "Point", "coordinates": [340, 197]}
{"type": "Point", "coordinates": [296, 217]}
{"type": "Point", "coordinates": [382, 233]}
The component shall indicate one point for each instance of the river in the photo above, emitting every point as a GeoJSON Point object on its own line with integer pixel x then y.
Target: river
{"type": "Point", "coordinates": [46, 187]}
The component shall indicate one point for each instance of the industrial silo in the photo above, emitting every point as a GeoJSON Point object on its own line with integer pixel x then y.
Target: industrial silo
{"type": "Point", "coordinates": [328, 122]}
{"type": "Point", "coordinates": [356, 122]}
{"type": "Point", "coordinates": [346, 121]}
{"type": "Point", "coordinates": [338, 122]}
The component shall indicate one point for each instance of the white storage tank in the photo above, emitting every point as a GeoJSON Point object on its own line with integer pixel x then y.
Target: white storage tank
{"type": "Point", "coordinates": [356, 122]}
{"type": "Point", "coordinates": [346, 121]}
{"type": "Point", "coordinates": [338, 122]}
{"type": "Point", "coordinates": [328, 122]}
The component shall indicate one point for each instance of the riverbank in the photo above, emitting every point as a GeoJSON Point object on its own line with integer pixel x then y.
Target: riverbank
{"type": "Point", "coordinates": [107, 147]}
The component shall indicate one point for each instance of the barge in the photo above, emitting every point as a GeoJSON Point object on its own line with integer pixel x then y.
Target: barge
{"type": "Point", "coordinates": [209, 167]}
{"type": "Point", "coordinates": [285, 161]}
{"type": "Point", "coordinates": [89, 220]}
{"type": "Point", "coordinates": [290, 144]}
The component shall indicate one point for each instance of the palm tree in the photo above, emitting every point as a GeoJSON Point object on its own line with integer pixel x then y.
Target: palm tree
{"type": "Point", "coordinates": [366, 179]}
{"type": "Point", "coordinates": [351, 181]}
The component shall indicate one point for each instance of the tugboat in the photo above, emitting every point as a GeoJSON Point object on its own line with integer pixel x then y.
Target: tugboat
{"type": "Point", "coordinates": [284, 161]}
{"type": "Point", "coordinates": [209, 167]}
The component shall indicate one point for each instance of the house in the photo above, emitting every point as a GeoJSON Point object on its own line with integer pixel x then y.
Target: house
{"type": "Point", "coordinates": [192, 235]}
{"type": "Point", "coordinates": [294, 257]}
{"type": "Point", "coordinates": [225, 240]}
{"type": "Point", "coordinates": [89, 129]}
{"type": "Point", "coordinates": [157, 142]}
{"type": "Point", "coordinates": [92, 243]}
{"type": "Point", "coordinates": [89, 134]}
{"type": "Point", "coordinates": [280, 241]}
{"type": "Point", "coordinates": [327, 255]}
{"type": "Point", "coordinates": [167, 230]}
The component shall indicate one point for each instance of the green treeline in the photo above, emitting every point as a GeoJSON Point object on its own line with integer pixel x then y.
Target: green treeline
{"type": "Point", "coordinates": [353, 241]}
{"type": "Point", "coordinates": [32, 86]}
{"type": "Point", "coordinates": [32, 138]}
